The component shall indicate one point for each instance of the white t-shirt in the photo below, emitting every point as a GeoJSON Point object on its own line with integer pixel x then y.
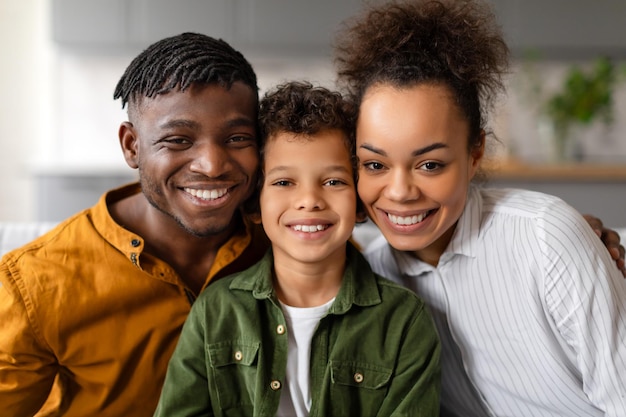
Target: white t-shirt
{"type": "Point", "coordinates": [295, 400]}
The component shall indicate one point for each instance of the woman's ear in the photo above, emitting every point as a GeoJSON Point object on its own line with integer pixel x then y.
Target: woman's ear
{"type": "Point", "coordinates": [476, 153]}
{"type": "Point", "coordinates": [129, 144]}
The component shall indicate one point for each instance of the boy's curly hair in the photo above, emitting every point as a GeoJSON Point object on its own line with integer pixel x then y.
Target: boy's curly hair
{"type": "Point", "coordinates": [456, 43]}
{"type": "Point", "coordinates": [300, 108]}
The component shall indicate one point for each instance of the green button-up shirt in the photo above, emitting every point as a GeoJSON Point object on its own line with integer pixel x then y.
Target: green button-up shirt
{"type": "Point", "coordinates": [375, 353]}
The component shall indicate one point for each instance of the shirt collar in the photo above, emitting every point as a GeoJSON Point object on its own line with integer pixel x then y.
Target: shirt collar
{"type": "Point", "coordinates": [358, 286]}
{"type": "Point", "coordinates": [464, 240]}
{"type": "Point", "coordinates": [131, 244]}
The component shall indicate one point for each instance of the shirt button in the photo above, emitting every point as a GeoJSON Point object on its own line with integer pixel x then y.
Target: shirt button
{"type": "Point", "coordinates": [135, 243]}
{"type": "Point", "coordinates": [238, 356]}
{"type": "Point", "coordinates": [358, 377]}
{"type": "Point", "coordinates": [280, 329]}
{"type": "Point", "coordinates": [275, 385]}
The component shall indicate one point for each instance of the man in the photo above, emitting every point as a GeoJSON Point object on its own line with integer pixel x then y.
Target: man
{"type": "Point", "coordinates": [98, 302]}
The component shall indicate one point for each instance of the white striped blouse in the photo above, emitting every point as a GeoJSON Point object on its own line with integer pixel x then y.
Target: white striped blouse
{"type": "Point", "coordinates": [530, 308]}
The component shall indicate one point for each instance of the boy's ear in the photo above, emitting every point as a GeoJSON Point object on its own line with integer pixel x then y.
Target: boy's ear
{"type": "Point", "coordinates": [361, 215]}
{"type": "Point", "coordinates": [255, 217]}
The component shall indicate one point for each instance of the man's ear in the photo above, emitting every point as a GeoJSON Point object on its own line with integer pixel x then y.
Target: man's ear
{"type": "Point", "coordinates": [129, 144]}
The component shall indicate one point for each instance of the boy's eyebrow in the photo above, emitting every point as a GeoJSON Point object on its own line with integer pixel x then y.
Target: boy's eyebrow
{"type": "Point", "coordinates": [417, 152]}
{"type": "Point", "coordinates": [282, 168]}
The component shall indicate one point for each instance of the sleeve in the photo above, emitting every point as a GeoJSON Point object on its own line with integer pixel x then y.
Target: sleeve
{"type": "Point", "coordinates": [586, 297]}
{"type": "Point", "coordinates": [27, 366]}
{"type": "Point", "coordinates": [415, 387]}
{"type": "Point", "coordinates": [186, 388]}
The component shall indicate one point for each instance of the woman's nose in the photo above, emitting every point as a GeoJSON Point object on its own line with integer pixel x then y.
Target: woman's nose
{"type": "Point", "coordinates": [402, 187]}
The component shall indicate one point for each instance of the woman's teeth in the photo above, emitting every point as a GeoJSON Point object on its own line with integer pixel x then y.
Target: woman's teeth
{"type": "Point", "coordinates": [408, 220]}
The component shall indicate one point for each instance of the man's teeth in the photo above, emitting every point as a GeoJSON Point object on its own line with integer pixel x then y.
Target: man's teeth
{"type": "Point", "coordinates": [206, 194]}
{"type": "Point", "coordinates": [409, 220]}
{"type": "Point", "coordinates": [309, 228]}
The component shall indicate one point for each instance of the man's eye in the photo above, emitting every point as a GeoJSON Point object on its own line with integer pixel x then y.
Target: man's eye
{"type": "Point", "coordinates": [241, 141]}
{"type": "Point", "coordinates": [176, 142]}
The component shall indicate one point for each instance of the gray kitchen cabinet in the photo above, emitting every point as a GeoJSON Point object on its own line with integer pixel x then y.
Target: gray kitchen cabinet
{"type": "Point", "coordinates": [557, 29]}
{"type": "Point", "coordinates": [262, 26]}
{"type": "Point", "coordinates": [89, 22]}
{"type": "Point", "coordinates": [564, 29]}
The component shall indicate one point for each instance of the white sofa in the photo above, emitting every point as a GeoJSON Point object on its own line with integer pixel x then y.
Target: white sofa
{"type": "Point", "coordinates": [15, 234]}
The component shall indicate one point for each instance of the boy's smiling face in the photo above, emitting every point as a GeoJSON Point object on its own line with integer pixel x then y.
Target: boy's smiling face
{"type": "Point", "coordinates": [308, 198]}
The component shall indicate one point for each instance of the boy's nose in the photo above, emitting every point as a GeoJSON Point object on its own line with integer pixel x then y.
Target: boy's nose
{"type": "Point", "coordinates": [309, 199]}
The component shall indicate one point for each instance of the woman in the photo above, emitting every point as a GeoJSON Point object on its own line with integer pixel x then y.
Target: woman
{"type": "Point", "coordinates": [530, 307]}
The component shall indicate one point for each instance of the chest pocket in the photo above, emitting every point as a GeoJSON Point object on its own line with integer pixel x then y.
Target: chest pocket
{"type": "Point", "coordinates": [234, 368]}
{"type": "Point", "coordinates": [359, 388]}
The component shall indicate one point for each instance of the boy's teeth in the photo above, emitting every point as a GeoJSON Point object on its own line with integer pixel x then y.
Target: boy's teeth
{"type": "Point", "coordinates": [206, 194]}
{"type": "Point", "coordinates": [309, 228]}
{"type": "Point", "coordinates": [409, 220]}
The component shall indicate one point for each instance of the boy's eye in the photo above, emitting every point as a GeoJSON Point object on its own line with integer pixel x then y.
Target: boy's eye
{"type": "Point", "coordinates": [281, 183]}
{"type": "Point", "coordinates": [335, 182]}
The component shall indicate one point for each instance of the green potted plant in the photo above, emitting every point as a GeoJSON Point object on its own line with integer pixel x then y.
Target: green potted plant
{"type": "Point", "coordinates": [584, 98]}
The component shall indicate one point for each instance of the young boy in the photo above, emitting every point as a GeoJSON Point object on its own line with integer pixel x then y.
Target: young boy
{"type": "Point", "coordinates": [309, 330]}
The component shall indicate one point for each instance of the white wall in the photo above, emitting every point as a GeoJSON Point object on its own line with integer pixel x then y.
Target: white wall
{"type": "Point", "coordinates": [24, 87]}
{"type": "Point", "coordinates": [58, 112]}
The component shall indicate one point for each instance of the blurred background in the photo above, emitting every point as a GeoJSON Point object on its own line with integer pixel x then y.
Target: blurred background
{"type": "Point", "coordinates": [561, 128]}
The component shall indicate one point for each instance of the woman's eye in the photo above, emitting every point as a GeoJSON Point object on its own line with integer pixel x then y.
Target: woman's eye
{"type": "Point", "coordinates": [430, 166]}
{"type": "Point", "coordinates": [281, 183]}
{"type": "Point", "coordinates": [373, 166]}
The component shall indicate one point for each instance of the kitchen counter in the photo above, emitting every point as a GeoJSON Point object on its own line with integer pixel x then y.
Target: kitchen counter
{"type": "Point", "coordinates": [591, 188]}
{"type": "Point", "coordinates": [568, 171]}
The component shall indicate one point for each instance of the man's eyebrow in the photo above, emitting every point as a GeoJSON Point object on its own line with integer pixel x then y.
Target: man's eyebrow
{"type": "Point", "coordinates": [416, 152]}
{"type": "Point", "coordinates": [190, 124]}
{"type": "Point", "coordinates": [241, 121]}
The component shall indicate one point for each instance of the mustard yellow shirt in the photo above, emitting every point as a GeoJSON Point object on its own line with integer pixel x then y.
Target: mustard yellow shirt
{"type": "Point", "coordinates": [85, 306]}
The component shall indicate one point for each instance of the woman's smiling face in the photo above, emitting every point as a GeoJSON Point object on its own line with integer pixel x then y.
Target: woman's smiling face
{"type": "Point", "coordinates": [414, 165]}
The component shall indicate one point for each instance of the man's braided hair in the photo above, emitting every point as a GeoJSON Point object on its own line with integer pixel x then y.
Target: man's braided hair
{"type": "Point", "coordinates": [181, 61]}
